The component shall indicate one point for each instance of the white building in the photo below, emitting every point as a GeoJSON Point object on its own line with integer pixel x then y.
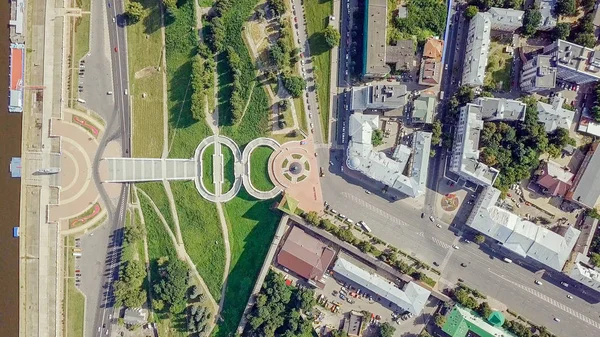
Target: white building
{"type": "Point", "coordinates": [465, 152]}
{"type": "Point", "coordinates": [389, 171]}
{"type": "Point", "coordinates": [553, 115]}
{"type": "Point", "coordinates": [521, 236]}
{"type": "Point", "coordinates": [538, 74]}
{"type": "Point", "coordinates": [478, 48]}
{"type": "Point", "coordinates": [584, 273]}
{"type": "Point", "coordinates": [505, 19]}
{"type": "Point", "coordinates": [496, 109]}
{"type": "Point", "coordinates": [549, 19]}
{"type": "Point", "coordinates": [574, 63]}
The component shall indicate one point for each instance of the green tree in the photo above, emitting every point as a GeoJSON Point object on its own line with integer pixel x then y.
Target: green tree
{"type": "Point", "coordinates": [278, 6]}
{"type": "Point", "coordinates": [339, 333]}
{"type": "Point", "coordinates": [586, 40]}
{"type": "Point", "coordinates": [377, 137]}
{"type": "Point", "coordinates": [471, 11]}
{"type": "Point", "coordinates": [312, 217]}
{"type": "Point", "coordinates": [436, 133]}
{"type": "Point", "coordinates": [588, 5]}
{"type": "Point", "coordinates": [170, 5]}
{"type": "Point", "coordinates": [595, 259]}
{"type": "Point", "coordinates": [134, 11]}
{"type": "Point", "coordinates": [172, 287]}
{"type": "Point", "coordinates": [566, 7]}
{"type": "Point", "coordinates": [215, 34]}
{"type": "Point", "coordinates": [440, 320]}
{"type": "Point", "coordinates": [479, 239]}
{"type": "Point", "coordinates": [386, 330]}
{"type": "Point", "coordinates": [561, 31]}
{"type": "Point", "coordinates": [305, 299]}
{"type": "Point", "coordinates": [294, 84]}
{"type": "Point", "coordinates": [484, 310]}
{"type": "Point", "coordinates": [531, 21]}
{"type": "Point", "coordinates": [332, 36]}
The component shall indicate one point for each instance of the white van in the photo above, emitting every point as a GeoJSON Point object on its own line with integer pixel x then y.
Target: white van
{"type": "Point", "coordinates": [507, 260]}
{"type": "Point", "coordinates": [81, 100]}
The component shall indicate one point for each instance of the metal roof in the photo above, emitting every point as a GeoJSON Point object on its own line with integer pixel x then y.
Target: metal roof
{"type": "Point", "coordinates": [376, 39]}
{"type": "Point", "coordinates": [305, 255]}
{"type": "Point", "coordinates": [586, 189]}
{"type": "Point", "coordinates": [478, 47]}
{"type": "Point", "coordinates": [494, 109]}
{"type": "Point", "coordinates": [553, 115]}
{"type": "Point", "coordinates": [461, 321]}
{"type": "Point", "coordinates": [412, 298]}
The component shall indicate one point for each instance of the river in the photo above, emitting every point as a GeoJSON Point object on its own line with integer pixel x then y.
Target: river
{"type": "Point", "coordinates": [10, 146]}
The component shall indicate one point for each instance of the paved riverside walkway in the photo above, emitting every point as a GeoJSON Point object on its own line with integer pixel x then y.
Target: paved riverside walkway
{"type": "Point", "coordinates": [122, 170]}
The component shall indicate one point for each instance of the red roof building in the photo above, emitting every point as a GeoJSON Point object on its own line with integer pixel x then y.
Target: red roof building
{"type": "Point", "coordinates": [554, 179]}
{"type": "Point", "coordinates": [305, 256]}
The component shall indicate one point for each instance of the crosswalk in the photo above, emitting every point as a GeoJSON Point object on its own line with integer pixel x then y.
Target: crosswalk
{"type": "Point", "coordinates": [553, 302]}
{"type": "Point", "coordinates": [440, 243]}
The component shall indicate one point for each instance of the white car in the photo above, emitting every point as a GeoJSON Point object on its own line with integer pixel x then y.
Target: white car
{"type": "Point", "coordinates": [438, 226]}
{"type": "Point", "coordinates": [431, 218]}
{"type": "Point", "coordinates": [556, 319]}
{"type": "Point", "coordinates": [569, 297]}
{"type": "Point", "coordinates": [455, 246]}
{"type": "Point", "coordinates": [538, 282]}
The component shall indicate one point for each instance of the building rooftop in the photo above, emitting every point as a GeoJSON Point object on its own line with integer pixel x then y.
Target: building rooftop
{"type": "Point", "coordinates": [478, 47]}
{"type": "Point", "coordinates": [585, 273]}
{"type": "Point", "coordinates": [462, 322]}
{"type": "Point", "coordinates": [469, 148]}
{"type": "Point", "coordinates": [423, 108]}
{"type": "Point", "coordinates": [546, 8]}
{"type": "Point", "coordinates": [353, 323]}
{"type": "Point", "coordinates": [586, 185]}
{"type": "Point", "coordinates": [378, 166]}
{"type": "Point", "coordinates": [379, 97]}
{"type": "Point", "coordinates": [546, 72]}
{"type": "Point", "coordinates": [376, 39]}
{"type": "Point", "coordinates": [433, 49]}
{"type": "Point", "coordinates": [505, 17]}
{"type": "Point", "coordinates": [135, 316]}
{"type": "Point", "coordinates": [430, 72]}
{"type": "Point", "coordinates": [412, 298]}
{"type": "Point", "coordinates": [402, 54]}
{"type": "Point", "coordinates": [557, 180]}
{"type": "Point", "coordinates": [575, 57]}
{"type": "Point", "coordinates": [493, 109]}
{"type": "Point", "coordinates": [553, 115]}
{"type": "Point", "coordinates": [17, 15]}
{"type": "Point", "coordinates": [305, 255]}
{"type": "Point", "coordinates": [519, 235]}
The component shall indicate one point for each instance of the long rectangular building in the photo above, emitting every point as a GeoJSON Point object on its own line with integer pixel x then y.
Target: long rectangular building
{"type": "Point", "coordinates": [17, 68]}
{"type": "Point", "coordinates": [478, 48]}
{"type": "Point", "coordinates": [574, 63]}
{"type": "Point", "coordinates": [375, 39]}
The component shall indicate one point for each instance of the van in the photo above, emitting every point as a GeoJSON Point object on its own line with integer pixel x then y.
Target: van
{"type": "Point", "coordinates": [77, 254]}
{"type": "Point", "coordinates": [507, 260]}
{"type": "Point", "coordinates": [81, 100]}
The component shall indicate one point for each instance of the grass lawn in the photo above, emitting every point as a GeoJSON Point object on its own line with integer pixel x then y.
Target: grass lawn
{"type": "Point", "coordinates": [251, 229]}
{"type": "Point", "coordinates": [82, 32]}
{"type": "Point", "coordinates": [259, 164]}
{"type": "Point", "coordinates": [499, 67]}
{"type": "Point", "coordinates": [207, 168]}
{"type": "Point", "coordinates": [76, 302]}
{"type": "Point", "coordinates": [201, 234]}
{"type": "Point", "coordinates": [144, 43]}
{"type": "Point", "coordinates": [156, 192]}
{"type": "Point", "coordinates": [299, 105]}
{"type": "Point", "coordinates": [317, 13]}
{"type": "Point", "coordinates": [160, 245]}
{"type": "Point", "coordinates": [184, 131]}
{"type": "Point", "coordinates": [228, 177]}
{"type": "Point", "coordinates": [205, 3]}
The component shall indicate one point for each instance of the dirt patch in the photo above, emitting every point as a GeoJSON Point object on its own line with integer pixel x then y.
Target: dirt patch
{"type": "Point", "coordinates": [146, 72]}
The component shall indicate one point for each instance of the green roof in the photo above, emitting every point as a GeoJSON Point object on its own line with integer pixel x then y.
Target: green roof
{"type": "Point", "coordinates": [288, 205]}
{"type": "Point", "coordinates": [462, 320]}
{"type": "Point", "coordinates": [423, 108]}
{"type": "Point", "coordinates": [496, 318]}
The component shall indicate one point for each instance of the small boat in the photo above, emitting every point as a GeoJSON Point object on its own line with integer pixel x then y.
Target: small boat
{"type": "Point", "coordinates": [15, 232]}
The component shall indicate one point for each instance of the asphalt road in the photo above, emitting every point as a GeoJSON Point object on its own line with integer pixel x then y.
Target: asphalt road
{"type": "Point", "coordinates": [109, 239]}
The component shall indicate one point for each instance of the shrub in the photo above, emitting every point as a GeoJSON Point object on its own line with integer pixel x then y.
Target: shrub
{"type": "Point", "coordinates": [294, 84]}
{"type": "Point", "coordinates": [332, 36]}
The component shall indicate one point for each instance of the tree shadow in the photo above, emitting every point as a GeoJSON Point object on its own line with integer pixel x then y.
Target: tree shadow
{"type": "Point", "coordinates": [224, 90]}
{"type": "Point", "coordinates": [180, 91]}
{"type": "Point", "coordinates": [317, 44]}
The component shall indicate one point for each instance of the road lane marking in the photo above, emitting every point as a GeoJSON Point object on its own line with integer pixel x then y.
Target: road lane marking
{"type": "Point", "coordinates": [440, 243]}
{"type": "Point", "coordinates": [374, 209]}
{"type": "Point", "coordinates": [552, 301]}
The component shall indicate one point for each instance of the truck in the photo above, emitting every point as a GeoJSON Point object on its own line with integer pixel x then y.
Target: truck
{"type": "Point", "coordinates": [441, 95]}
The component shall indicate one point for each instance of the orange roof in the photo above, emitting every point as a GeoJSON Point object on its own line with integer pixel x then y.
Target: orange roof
{"type": "Point", "coordinates": [433, 48]}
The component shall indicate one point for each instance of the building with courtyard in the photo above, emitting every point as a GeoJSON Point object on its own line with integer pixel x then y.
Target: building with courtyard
{"type": "Point", "coordinates": [462, 322]}
{"type": "Point", "coordinates": [522, 237]}
{"type": "Point", "coordinates": [306, 256]}
{"type": "Point", "coordinates": [412, 297]}
{"type": "Point", "coordinates": [388, 99]}
{"type": "Point", "coordinates": [405, 171]}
